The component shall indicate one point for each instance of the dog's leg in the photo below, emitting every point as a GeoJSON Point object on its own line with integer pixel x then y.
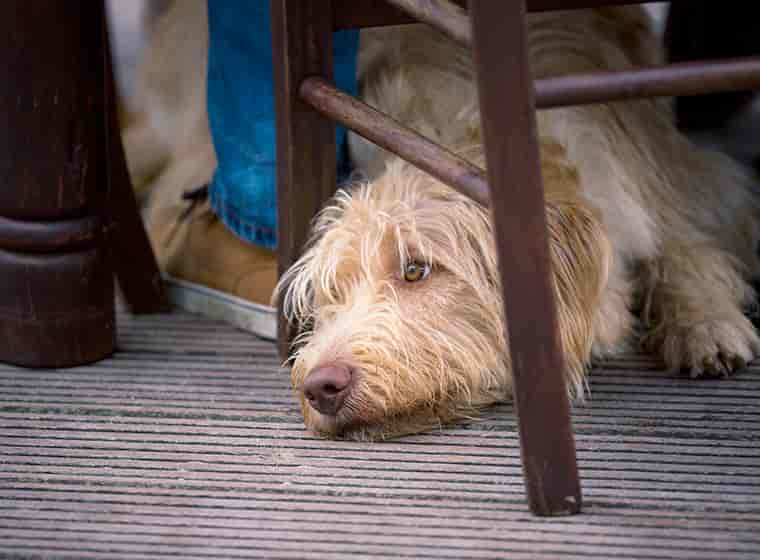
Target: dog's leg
{"type": "Point", "coordinates": [614, 323]}
{"type": "Point", "coordinates": [693, 299]}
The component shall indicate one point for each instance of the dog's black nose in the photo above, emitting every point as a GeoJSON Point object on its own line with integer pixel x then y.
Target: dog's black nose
{"type": "Point", "coordinates": [326, 388]}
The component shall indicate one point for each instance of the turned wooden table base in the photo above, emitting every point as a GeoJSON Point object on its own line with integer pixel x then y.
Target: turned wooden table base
{"type": "Point", "coordinates": [65, 197]}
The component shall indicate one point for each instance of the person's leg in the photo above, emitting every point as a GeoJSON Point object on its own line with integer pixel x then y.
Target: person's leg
{"type": "Point", "coordinates": [241, 115]}
{"type": "Point", "coordinates": [208, 81]}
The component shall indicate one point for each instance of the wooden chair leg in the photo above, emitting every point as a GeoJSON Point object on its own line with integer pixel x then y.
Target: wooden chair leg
{"type": "Point", "coordinates": [509, 128]}
{"type": "Point", "coordinates": [134, 263]}
{"type": "Point", "coordinates": [306, 157]}
{"type": "Point", "coordinates": [56, 283]}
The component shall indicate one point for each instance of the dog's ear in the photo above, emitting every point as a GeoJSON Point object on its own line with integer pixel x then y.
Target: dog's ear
{"type": "Point", "coordinates": [581, 257]}
{"type": "Point", "coordinates": [294, 294]}
{"type": "Point", "coordinates": [296, 289]}
{"type": "Point", "coordinates": [291, 294]}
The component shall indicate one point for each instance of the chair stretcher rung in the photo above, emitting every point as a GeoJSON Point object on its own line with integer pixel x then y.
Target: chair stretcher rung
{"type": "Point", "coordinates": [691, 78]}
{"type": "Point", "coordinates": [353, 14]}
{"type": "Point", "coordinates": [686, 78]}
{"type": "Point", "coordinates": [453, 170]}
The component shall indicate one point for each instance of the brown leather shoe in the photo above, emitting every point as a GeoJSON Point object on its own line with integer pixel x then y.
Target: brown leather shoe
{"type": "Point", "coordinates": [192, 244]}
{"type": "Point", "coordinates": [211, 255]}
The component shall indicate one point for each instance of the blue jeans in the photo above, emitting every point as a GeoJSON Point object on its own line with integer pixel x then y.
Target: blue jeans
{"type": "Point", "coordinates": [241, 114]}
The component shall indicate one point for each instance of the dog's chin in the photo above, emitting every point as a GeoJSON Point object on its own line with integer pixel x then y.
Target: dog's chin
{"type": "Point", "coordinates": [380, 427]}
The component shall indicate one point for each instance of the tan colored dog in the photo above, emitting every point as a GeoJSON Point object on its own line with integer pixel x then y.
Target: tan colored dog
{"type": "Point", "coordinates": [399, 288]}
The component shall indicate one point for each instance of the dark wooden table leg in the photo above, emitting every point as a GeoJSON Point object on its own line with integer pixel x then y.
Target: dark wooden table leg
{"type": "Point", "coordinates": [306, 158]}
{"type": "Point", "coordinates": [517, 202]}
{"type": "Point", "coordinates": [56, 283]}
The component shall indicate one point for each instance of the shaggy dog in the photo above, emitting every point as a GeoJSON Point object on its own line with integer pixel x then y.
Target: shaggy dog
{"type": "Point", "coordinates": [399, 291]}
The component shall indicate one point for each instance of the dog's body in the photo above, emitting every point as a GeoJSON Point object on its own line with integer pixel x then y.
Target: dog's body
{"type": "Point", "coordinates": [399, 291]}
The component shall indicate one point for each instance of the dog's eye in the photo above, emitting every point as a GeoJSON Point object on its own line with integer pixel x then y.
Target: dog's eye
{"type": "Point", "coordinates": [416, 271]}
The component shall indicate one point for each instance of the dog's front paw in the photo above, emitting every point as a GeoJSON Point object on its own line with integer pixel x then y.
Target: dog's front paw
{"type": "Point", "coordinates": [712, 348]}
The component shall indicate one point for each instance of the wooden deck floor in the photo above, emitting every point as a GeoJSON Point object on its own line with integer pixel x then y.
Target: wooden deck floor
{"type": "Point", "coordinates": [188, 444]}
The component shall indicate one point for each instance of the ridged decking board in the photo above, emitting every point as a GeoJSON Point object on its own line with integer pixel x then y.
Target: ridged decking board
{"type": "Point", "coordinates": [189, 444]}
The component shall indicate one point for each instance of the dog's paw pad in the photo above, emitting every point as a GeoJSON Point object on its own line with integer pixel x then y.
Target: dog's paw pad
{"type": "Point", "coordinates": [712, 348]}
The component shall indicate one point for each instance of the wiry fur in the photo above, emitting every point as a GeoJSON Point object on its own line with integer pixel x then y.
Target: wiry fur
{"type": "Point", "coordinates": [639, 218]}
{"type": "Point", "coordinates": [431, 351]}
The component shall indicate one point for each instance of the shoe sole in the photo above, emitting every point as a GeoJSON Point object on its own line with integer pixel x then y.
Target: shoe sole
{"type": "Point", "coordinates": [260, 320]}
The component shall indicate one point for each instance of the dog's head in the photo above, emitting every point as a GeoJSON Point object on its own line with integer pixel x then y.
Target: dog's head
{"type": "Point", "coordinates": [399, 308]}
